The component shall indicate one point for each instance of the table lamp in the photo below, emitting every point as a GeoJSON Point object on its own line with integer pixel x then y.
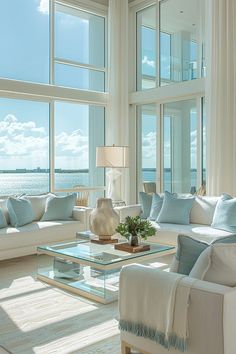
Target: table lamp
{"type": "Point", "coordinates": [112, 157]}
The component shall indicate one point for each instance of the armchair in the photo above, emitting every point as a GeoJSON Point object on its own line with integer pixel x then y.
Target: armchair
{"type": "Point", "coordinates": [211, 318]}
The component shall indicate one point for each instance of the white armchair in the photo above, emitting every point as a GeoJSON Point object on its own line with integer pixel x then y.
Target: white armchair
{"type": "Point", "coordinates": [211, 318]}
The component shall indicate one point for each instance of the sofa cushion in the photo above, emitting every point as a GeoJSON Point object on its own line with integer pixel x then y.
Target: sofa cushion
{"type": "Point", "coordinates": [38, 203]}
{"type": "Point", "coordinates": [217, 264]}
{"type": "Point", "coordinates": [156, 205]}
{"type": "Point", "coordinates": [203, 209]}
{"type": "Point", "coordinates": [175, 210]}
{"type": "Point", "coordinates": [59, 208]}
{"type": "Point", "coordinates": [225, 214]}
{"type": "Point", "coordinates": [20, 211]}
{"type": "Point", "coordinates": [3, 222]}
{"type": "Point", "coordinates": [187, 254]}
{"type": "Point", "coordinates": [168, 233]}
{"type": "Point", "coordinates": [146, 203]}
{"type": "Point", "coordinates": [38, 233]}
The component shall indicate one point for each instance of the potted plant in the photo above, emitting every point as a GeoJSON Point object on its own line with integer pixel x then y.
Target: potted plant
{"type": "Point", "coordinates": [135, 228]}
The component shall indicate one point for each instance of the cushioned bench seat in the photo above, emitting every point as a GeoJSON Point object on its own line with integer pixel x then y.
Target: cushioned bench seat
{"type": "Point", "coordinates": [201, 216]}
{"type": "Point", "coordinates": [16, 242]}
{"type": "Point", "coordinates": [167, 233]}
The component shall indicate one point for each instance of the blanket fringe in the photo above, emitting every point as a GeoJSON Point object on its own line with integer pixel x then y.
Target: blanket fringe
{"type": "Point", "coordinates": [141, 330]}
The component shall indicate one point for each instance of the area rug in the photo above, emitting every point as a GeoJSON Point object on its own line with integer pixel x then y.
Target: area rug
{"type": "Point", "coordinates": [37, 318]}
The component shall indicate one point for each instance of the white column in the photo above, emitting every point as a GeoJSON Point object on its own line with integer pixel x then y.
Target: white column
{"type": "Point", "coordinates": [117, 124]}
{"type": "Point", "coordinates": [221, 96]}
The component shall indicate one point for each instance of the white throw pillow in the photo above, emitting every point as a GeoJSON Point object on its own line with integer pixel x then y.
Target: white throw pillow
{"type": "Point", "coordinates": [217, 264]}
{"type": "Point", "coordinates": [203, 210]}
{"type": "Point", "coordinates": [38, 203]}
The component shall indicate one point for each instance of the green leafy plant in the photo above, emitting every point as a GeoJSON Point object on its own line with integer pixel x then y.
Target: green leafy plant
{"type": "Point", "coordinates": [136, 226]}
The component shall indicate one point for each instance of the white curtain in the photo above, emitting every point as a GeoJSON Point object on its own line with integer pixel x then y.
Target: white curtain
{"type": "Point", "coordinates": [117, 112]}
{"type": "Point", "coordinates": [221, 96]}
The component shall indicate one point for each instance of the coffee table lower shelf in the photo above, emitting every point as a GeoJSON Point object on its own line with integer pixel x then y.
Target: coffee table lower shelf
{"type": "Point", "coordinates": [96, 285]}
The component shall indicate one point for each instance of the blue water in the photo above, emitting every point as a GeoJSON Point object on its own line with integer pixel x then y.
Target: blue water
{"type": "Point", "coordinates": [38, 183]}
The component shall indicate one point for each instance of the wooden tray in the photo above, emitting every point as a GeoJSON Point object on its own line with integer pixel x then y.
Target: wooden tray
{"type": "Point", "coordinates": [131, 249]}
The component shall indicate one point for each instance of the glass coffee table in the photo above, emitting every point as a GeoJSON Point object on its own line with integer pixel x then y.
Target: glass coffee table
{"type": "Point", "coordinates": [89, 269]}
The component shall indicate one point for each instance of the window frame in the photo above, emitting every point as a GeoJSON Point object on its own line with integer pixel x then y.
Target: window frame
{"type": "Point", "coordinates": [49, 93]}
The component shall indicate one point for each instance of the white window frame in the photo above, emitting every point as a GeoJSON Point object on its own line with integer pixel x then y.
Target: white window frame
{"type": "Point", "coordinates": [192, 89]}
{"type": "Point", "coordinates": [49, 93]}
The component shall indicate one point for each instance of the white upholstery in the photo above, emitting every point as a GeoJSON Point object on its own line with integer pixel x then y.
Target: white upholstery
{"type": "Point", "coordinates": [38, 203]}
{"type": "Point", "coordinates": [217, 264]}
{"type": "Point", "coordinates": [211, 317]}
{"type": "Point", "coordinates": [16, 242]}
{"type": "Point", "coordinates": [167, 233]}
{"type": "Point", "coordinates": [203, 210]}
{"type": "Point", "coordinates": [201, 216]}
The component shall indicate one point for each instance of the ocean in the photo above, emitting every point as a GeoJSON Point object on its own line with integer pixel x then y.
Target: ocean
{"type": "Point", "coordinates": [38, 183]}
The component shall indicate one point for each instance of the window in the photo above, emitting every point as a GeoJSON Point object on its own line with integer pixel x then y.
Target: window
{"type": "Point", "coordinates": [79, 49]}
{"type": "Point", "coordinates": [146, 48]}
{"type": "Point", "coordinates": [177, 39]}
{"type": "Point", "coordinates": [75, 144]}
{"type": "Point", "coordinates": [180, 147]}
{"type": "Point", "coordinates": [147, 127]}
{"type": "Point", "coordinates": [24, 38]}
{"type": "Point", "coordinates": [182, 20]}
{"type": "Point", "coordinates": [24, 147]}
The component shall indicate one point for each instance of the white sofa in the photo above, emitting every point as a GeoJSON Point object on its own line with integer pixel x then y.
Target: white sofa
{"type": "Point", "coordinates": [211, 318]}
{"type": "Point", "coordinates": [21, 241]}
{"type": "Point", "coordinates": [201, 216]}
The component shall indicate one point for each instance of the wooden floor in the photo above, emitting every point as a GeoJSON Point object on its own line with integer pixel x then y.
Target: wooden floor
{"type": "Point", "coordinates": [37, 318]}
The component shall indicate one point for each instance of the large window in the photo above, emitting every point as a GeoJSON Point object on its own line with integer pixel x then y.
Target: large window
{"type": "Point", "coordinates": [24, 147]}
{"type": "Point", "coordinates": [48, 136]}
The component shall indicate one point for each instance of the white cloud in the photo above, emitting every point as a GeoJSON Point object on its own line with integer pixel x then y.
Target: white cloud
{"type": "Point", "coordinates": [24, 144]}
{"type": "Point", "coordinates": [44, 7]}
{"type": "Point", "coordinates": [148, 62]}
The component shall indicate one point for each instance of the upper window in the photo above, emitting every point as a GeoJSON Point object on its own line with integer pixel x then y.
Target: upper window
{"type": "Point", "coordinates": [182, 20]}
{"type": "Point", "coordinates": [24, 38]}
{"type": "Point", "coordinates": [170, 50]}
{"type": "Point", "coordinates": [78, 45]}
{"type": "Point", "coordinates": [79, 49]}
{"type": "Point", "coordinates": [146, 48]}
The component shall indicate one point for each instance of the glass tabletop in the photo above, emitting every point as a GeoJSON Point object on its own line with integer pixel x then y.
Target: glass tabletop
{"type": "Point", "coordinates": [99, 254]}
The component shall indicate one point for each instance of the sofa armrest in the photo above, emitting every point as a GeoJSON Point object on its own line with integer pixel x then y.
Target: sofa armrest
{"type": "Point", "coordinates": [82, 214]}
{"type": "Point", "coordinates": [130, 210]}
{"type": "Point", "coordinates": [211, 315]}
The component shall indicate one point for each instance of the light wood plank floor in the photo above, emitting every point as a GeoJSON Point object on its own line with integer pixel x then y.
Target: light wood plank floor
{"type": "Point", "coordinates": [37, 318]}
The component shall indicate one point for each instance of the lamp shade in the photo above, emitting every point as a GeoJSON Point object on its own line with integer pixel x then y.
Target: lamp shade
{"type": "Point", "coordinates": [112, 156]}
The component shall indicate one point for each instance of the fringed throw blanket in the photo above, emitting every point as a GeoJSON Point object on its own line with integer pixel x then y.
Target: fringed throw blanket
{"type": "Point", "coordinates": [150, 308]}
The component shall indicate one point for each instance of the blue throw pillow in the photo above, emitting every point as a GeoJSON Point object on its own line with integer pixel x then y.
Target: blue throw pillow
{"type": "Point", "coordinates": [187, 254]}
{"type": "Point", "coordinates": [3, 221]}
{"type": "Point", "coordinates": [146, 203]}
{"type": "Point", "coordinates": [59, 208]}
{"type": "Point", "coordinates": [156, 205]}
{"type": "Point", "coordinates": [20, 211]}
{"type": "Point", "coordinates": [225, 214]}
{"type": "Point", "coordinates": [175, 210]}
